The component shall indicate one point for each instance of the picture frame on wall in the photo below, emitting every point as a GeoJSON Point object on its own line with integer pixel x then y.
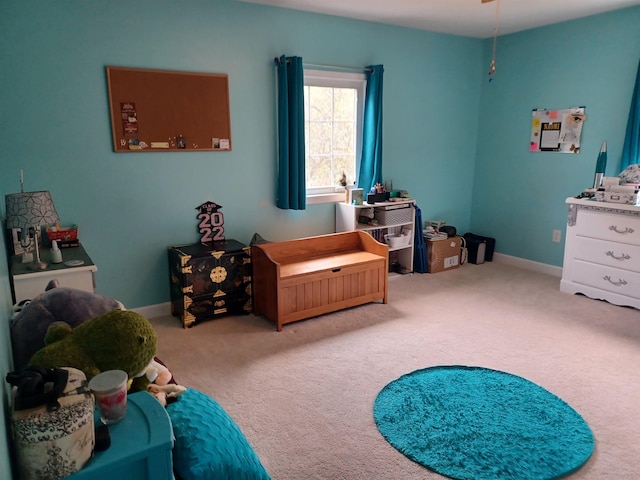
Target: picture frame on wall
{"type": "Point", "coordinates": [16, 245]}
{"type": "Point", "coordinates": [558, 130]}
{"type": "Point", "coordinates": [356, 196]}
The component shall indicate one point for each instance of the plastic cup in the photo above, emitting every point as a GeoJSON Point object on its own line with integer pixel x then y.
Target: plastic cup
{"type": "Point", "coordinates": [110, 391]}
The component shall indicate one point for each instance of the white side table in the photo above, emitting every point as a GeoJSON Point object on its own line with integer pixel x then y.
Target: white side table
{"type": "Point", "coordinates": [27, 284]}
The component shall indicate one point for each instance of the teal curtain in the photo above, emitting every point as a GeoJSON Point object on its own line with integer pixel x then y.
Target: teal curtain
{"type": "Point", "coordinates": [371, 160]}
{"type": "Point", "coordinates": [291, 189]}
{"type": "Point", "coordinates": [631, 149]}
{"type": "Point", "coordinates": [420, 262]}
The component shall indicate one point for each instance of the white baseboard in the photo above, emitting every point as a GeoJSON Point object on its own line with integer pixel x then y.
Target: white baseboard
{"type": "Point", "coordinates": [157, 310]}
{"type": "Point", "coordinates": [528, 264]}
{"type": "Point", "coordinates": [162, 309]}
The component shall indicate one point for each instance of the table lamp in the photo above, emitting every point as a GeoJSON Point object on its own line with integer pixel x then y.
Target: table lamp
{"type": "Point", "coordinates": [31, 211]}
{"type": "Point", "coordinates": [601, 165]}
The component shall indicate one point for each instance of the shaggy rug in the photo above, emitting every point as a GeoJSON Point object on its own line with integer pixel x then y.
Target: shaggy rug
{"type": "Point", "coordinates": [475, 423]}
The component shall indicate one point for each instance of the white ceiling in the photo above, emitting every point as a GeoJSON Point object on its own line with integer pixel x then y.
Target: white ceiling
{"type": "Point", "coordinates": [469, 18]}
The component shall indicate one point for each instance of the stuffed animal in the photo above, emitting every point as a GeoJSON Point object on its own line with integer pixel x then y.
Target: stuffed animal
{"type": "Point", "coordinates": [163, 386]}
{"type": "Point", "coordinates": [157, 373]}
{"type": "Point", "coordinates": [69, 305]}
{"type": "Point", "coordinates": [166, 393]}
{"type": "Point", "coordinates": [117, 340]}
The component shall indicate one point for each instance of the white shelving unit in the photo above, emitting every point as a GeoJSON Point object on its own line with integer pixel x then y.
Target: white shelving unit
{"type": "Point", "coordinates": [392, 217]}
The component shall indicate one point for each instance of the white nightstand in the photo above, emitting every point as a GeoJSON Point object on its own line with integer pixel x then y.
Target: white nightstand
{"type": "Point", "coordinates": [27, 284]}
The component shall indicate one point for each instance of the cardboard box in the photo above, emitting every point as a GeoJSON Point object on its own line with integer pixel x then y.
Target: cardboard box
{"type": "Point", "coordinates": [443, 254]}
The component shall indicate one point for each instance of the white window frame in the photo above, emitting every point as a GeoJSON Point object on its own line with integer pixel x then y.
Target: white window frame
{"type": "Point", "coordinates": [358, 81]}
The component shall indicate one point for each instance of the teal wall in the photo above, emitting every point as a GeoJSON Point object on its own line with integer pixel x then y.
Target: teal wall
{"type": "Point", "coordinates": [519, 195]}
{"type": "Point", "coordinates": [458, 143]}
{"type": "Point", "coordinates": [6, 363]}
{"type": "Point", "coordinates": [54, 122]}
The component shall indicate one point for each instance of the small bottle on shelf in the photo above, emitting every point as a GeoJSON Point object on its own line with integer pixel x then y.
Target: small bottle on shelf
{"type": "Point", "coordinates": [56, 254]}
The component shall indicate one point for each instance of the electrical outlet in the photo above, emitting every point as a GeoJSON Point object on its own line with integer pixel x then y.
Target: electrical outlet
{"type": "Point", "coordinates": [557, 235]}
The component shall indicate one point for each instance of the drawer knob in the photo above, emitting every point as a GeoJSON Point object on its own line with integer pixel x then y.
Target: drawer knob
{"type": "Point", "coordinates": [626, 229]}
{"type": "Point", "coordinates": [619, 283]}
{"type": "Point", "coordinates": [624, 256]}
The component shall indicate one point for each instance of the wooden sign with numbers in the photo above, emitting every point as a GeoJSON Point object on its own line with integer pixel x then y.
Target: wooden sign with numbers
{"type": "Point", "coordinates": [211, 222]}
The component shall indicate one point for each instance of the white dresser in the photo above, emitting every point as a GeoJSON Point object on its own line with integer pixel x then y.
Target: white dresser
{"type": "Point", "coordinates": [78, 272]}
{"type": "Point", "coordinates": [602, 251]}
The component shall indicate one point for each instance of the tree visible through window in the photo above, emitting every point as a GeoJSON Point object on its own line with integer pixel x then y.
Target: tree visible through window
{"type": "Point", "coordinates": [333, 104]}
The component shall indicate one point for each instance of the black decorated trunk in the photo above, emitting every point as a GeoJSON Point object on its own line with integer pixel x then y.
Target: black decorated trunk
{"type": "Point", "coordinates": [210, 280]}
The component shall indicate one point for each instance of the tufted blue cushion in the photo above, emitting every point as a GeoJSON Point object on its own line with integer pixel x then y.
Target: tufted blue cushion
{"type": "Point", "coordinates": [209, 445]}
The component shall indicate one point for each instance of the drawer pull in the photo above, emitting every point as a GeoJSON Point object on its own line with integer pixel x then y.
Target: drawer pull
{"type": "Point", "coordinates": [336, 270]}
{"type": "Point", "coordinates": [624, 256]}
{"type": "Point", "coordinates": [619, 283]}
{"type": "Point", "coordinates": [626, 229]}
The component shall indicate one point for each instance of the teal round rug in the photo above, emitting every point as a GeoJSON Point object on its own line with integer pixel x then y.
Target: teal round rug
{"type": "Point", "coordinates": [474, 423]}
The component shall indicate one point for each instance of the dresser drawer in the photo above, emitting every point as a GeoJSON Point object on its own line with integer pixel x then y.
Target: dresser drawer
{"type": "Point", "coordinates": [209, 274]}
{"type": "Point", "coordinates": [194, 310]}
{"type": "Point", "coordinates": [622, 282]}
{"type": "Point", "coordinates": [612, 254]}
{"type": "Point", "coordinates": [608, 226]}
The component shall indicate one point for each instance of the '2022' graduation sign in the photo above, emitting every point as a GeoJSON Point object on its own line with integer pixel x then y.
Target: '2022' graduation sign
{"type": "Point", "coordinates": [211, 226]}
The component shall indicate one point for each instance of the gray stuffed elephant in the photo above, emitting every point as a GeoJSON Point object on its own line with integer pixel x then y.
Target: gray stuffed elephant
{"type": "Point", "coordinates": [55, 304]}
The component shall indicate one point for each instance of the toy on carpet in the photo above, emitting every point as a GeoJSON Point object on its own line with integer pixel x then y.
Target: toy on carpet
{"type": "Point", "coordinates": [117, 340]}
{"type": "Point", "coordinates": [166, 394]}
{"type": "Point", "coordinates": [157, 373]}
{"type": "Point", "coordinates": [69, 305]}
{"type": "Point", "coordinates": [163, 385]}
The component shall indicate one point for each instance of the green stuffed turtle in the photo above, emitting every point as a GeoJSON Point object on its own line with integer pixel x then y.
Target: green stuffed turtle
{"type": "Point", "coordinates": [117, 340]}
{"type": "Point", "coordinates": [55, 304]}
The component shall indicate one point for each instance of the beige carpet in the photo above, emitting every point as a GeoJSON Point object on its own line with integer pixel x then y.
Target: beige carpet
{"type": "Point", "coordinates": [303, 397]}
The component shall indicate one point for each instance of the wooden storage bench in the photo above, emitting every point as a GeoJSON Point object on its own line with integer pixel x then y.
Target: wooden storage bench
{"type": "Point", "coordinates": [298, 279]}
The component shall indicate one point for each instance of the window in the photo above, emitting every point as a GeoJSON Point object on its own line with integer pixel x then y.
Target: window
{"type": "Point", "coordinates": [333, 109]}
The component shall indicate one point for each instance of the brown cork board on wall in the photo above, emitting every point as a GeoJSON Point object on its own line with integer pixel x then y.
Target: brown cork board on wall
{"type": "Point", "coordinates": [165, 110]}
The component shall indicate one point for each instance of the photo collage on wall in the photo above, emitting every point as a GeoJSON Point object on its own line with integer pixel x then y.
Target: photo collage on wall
{"type": "Point", "coordinates": [556, 130]}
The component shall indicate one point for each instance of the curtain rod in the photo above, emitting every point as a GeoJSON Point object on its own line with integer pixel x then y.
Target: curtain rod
{"type": "Point", "coordinates": [332, 67]}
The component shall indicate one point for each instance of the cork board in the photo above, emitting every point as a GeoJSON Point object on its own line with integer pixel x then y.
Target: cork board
{"type": "Point", "coordinates": [165, 110]}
